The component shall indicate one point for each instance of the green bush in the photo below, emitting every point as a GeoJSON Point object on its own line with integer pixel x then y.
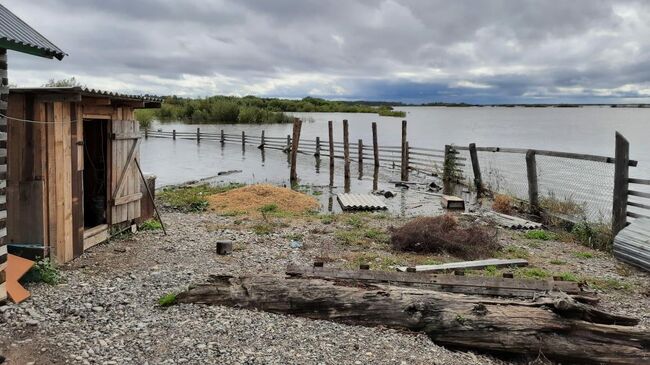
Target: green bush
{"type": "Point", "coordinates": [595, 235]}
{"type": "Point", "coordinates": [145, 117]}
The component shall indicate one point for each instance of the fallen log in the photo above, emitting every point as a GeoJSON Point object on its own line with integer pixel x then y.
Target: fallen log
{"type": "Point", "coordinates": [457, 320]}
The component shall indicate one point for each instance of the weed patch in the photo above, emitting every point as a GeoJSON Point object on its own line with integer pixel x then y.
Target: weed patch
{"type": "Point", "coordinates": [584, 255]}
{"type": "Point", "coordinates": [557, 262]}
{"type": "Point", "coordinates": [45, 271]}
{"type": "Point", "coordinates": [596, 236]}
{"type": "Point", "coordinates": [263, 229]}
{"type": "Point", "coordinates": [150, 225]}
{"type": "Point", "coordinates": [503, 204]}
{"type": "Point", "coordinates": [533, 273]}
{"type": "Point", "coordinates": [443, 234]}
{"type": "Point", "coordinates": [540, 234]}
{"type": "Point", "coordinates": [191, 198]}
{"type": "Point", "coordinates": [167, 300]}
{"type": "Point", "coordinates": [514, 252]}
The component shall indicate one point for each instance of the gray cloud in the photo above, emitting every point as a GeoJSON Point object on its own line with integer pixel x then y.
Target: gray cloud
{"type": "Point", "coordinates": [415, 50]}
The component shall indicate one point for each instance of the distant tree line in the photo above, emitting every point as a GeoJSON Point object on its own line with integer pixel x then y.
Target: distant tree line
{"type": "Point", "coordinates": [251, 109]}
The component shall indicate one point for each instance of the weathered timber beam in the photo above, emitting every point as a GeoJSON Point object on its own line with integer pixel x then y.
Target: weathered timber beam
{"type": "Point", "coordinates": [505, 287]}
{"type": "Point", "coordinates": [461, 321]}
{"type": "Point", "coordinates": [89, 100]}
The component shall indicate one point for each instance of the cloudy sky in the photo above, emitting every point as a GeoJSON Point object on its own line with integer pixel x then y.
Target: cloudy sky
{"type": "Point", "coordinates": [405, 50]}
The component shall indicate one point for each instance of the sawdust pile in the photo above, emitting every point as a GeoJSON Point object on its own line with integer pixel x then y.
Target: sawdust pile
{"type": "Point", "coordinates": [249, 199]}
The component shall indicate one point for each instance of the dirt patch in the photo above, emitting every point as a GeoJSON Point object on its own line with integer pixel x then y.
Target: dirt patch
{"type": "Point", "coordinates": [254, 198]}
{"type": "Point", "coordinates": [444, 234]}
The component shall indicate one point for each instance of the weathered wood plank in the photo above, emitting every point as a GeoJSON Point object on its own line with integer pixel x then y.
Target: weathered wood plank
{"type": "Point", "coordinates": [477, 264]}
{"type": "Point", "coordinates": [529, 288]}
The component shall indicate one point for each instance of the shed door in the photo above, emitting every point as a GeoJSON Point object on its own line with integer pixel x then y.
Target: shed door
{"type": "Point", "coordinates": [124, 174]}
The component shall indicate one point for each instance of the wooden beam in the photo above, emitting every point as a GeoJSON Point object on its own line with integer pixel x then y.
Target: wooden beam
{"type": "Point", "coordinates": [57, 97]}
{"type": "Point", "coordinates": [450, 283]}
{"type": "Point", "coordinates": [127, 199]}
{"type": "Point", "coordinates": [89, 100]}
{"type": "Point", "coordinates": [477, 264]}
{"type": "Point", "coordinates": [96, 116]}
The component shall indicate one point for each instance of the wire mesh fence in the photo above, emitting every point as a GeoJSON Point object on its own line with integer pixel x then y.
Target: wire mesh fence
{"type": "Point", "coordinates": [578, 189]}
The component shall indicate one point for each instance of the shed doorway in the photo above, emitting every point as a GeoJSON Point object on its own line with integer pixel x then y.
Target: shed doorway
{"type": "Point", "coordinates": [95, 175]}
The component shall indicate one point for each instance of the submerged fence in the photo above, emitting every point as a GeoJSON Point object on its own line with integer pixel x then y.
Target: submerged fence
{"type": "Point", "coordinates": [569, 185]}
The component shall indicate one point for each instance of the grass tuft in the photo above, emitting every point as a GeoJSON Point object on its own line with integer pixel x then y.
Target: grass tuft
{"type": "Point", "coordinates": [150, 225]}
{"type": "Point", "coordinates": [540, 234]}
{"type": "Point", "coordinates": [167, 300]}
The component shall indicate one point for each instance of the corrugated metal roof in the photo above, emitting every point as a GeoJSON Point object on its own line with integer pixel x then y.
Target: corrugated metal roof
{"type": "Point", "coordinates": [360, 202]}
{"type": "Point", "coordinates": [632, 244]}
{"type": "Point", "coordinates": [17, 35]}
{"type": "Point", "coordinates": [84, 91]}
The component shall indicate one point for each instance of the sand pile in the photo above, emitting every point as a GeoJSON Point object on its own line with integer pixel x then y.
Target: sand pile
{"type": "Point", "coordinates": [251, 198]}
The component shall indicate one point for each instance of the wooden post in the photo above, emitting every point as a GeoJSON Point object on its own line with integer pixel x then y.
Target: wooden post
{"type": "Point", "coordinates": [621, 174]}
{"type": "Point", "coordinates": [406, 159]}
{"type": "Point", "coordinates": [533, 190]}
{"type": "Point", "coordinates": [346, 151]}
{"type": "Point", "coordinates": [288, 148]}
{"type": "Point", "coordinates": [297, 125]}
{"type": "Point", "coordinates": [222, 139]}
{"type": "Point", "coordinates": [4, 99]}
{"type": "Point", "coordinates": [330, 131]}
{"type": "Point", "coordinates": [404, 167]}
{"type": "Point", "coordinates": [198, 134]}
{"type": "Point", "coordinates": [146, 133]}
{"type": "Point", "coordinates": [243, 138]}
{"type": "Point", "coordinates": [360, 152]}
{"type": "Point", "coordinates": [317, 153]}
{"type": "Point", "coordinates": [262, 140]}
{"type": "Point", "coordinates": [375, 146]}
{"type": "Point", "coordinates": [174, 134]}
{"type": "Point", "coordinates": [478, 182]}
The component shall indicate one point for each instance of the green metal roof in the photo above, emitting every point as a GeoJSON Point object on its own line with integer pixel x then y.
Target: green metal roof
{"type": "Point", "coordinates": [16, 35]}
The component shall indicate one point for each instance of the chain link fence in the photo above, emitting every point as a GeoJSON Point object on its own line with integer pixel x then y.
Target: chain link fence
{"type": "Point", "coordinates": [578, 189]}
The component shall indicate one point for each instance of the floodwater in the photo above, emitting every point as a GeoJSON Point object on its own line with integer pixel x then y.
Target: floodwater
{"type": "Point", "coordinates": [587, 130]}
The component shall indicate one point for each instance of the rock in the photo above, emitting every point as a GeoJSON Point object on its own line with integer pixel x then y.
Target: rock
{"type": "Point", "coordinates": [295, 244]}
{"type": "Point", "coordinates": [31, 322]}
{"type": "Point", "coordinates": [98, 309]}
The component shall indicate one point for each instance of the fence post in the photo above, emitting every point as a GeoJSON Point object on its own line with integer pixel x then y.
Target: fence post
{"type": "Point", "coordinates": [478, 181]}
{"type": "Point", "coordinates": [346, 151]}
{"type": "Point", "coordinates": [243, 138]}
{"type": "Point", "coordinates": [621, 174]}
{"type": "Point", "coordinates": [375, 146]}
{"type": "Point", "coordinates": [330, 131]}
{"type": "Point", "coordinates": [533, 189]}
{"type": "Point", "coordinates": [317, 153]}
{"type": "Point", "coordinates": [174, 134]}
{"type": "Point", "coordinates": [198, 135]}
{"type": "Point", "coordinates": [297, 124]}
{"type": "Point", "coordinates": [360, 151]}
{"type": "Point", "coordinates": [262, 141]}
{"type": "Point", "coordinates": [288, 147]}
{"type": "Point", "coordinates": [404, 164]}
{"type": "Point", "coordinates": [406, 159]}
{"type": "Point", "coordinates": [223, 137]}
{"type": "Point", "coordinates": [146, 133]}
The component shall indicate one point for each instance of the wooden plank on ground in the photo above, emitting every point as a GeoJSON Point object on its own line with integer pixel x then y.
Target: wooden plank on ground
{"type": "Point", "coordinates": [506, 287]}
{"type": "Point", "coordinates": [95, 236]}
{"type": "Point", "coordinates": [468, 265]}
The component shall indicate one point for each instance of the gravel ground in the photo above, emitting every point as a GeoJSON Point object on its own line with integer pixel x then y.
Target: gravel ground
{"type": "Point", "coordinates": [106, 311]}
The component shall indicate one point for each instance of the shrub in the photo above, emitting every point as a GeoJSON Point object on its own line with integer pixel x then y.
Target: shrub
{"type": "Point", "coordinates": [443, 234]}
{"type": "Point", "coordinates": [584, 255]}
{"type": "Point", "coordinates": [502, 204]}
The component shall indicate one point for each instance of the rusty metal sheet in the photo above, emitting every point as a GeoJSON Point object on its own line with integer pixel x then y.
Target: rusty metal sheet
{"type": "Point", "coordinates": [360, 202]}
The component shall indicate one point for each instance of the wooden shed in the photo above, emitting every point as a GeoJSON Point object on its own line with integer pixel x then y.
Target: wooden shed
{"type": "Point", "coordinates": [71, 173]}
